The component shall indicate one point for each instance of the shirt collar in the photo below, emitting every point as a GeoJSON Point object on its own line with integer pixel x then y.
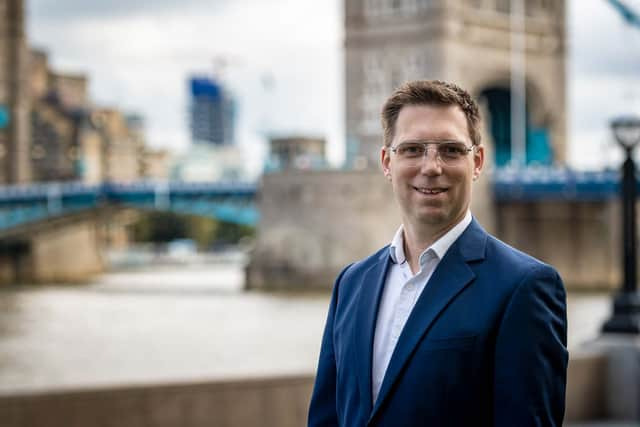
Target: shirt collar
{"type": "Point", "coordinates": [439, 247]}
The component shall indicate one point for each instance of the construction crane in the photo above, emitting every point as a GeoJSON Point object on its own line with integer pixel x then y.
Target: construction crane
{"type": "Point", "coordinates": [629, 15]}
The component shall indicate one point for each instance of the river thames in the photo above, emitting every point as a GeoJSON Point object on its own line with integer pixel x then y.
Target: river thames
{"type": "Point", "coordinates": [160, 324]}
{"type": "Point", "coordinates": [174, 323]}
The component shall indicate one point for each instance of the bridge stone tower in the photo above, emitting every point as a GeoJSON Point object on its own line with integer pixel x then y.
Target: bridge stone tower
{"type": "Point", "coordinates": [14, 95]}
{"type": "Point", "coordinates": [464, 41]}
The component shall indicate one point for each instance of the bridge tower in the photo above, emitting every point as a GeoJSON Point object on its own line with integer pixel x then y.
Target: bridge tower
{"type": "Point", "coordinates": [467, 42]}
{"type": "Point", "coordinates": [14, 95]}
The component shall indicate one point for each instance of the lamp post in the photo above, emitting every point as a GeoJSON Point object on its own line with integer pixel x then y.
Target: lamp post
{"type": "Point", "coordinates": [626, 305]}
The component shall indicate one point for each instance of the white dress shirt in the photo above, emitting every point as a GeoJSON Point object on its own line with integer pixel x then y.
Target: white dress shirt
{"type": "Point", "coordinates": [401, 291]}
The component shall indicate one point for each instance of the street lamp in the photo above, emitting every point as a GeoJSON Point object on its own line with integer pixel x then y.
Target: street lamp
{"type": "Point", "coordinates": [626, 305]}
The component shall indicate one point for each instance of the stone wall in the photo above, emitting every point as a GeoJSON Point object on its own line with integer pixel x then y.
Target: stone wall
{"type": "Point", "coordinates": [581, 239]}
{"type": "Point", "coordinates": [315, 223]}
{"type": "Point", "coordinates": [281, 402]}
{"type": "Point", "coordinates": [278, 401]}
{"type": "Point", "coordinates": [65, 249]}
{"type": "Point", "coordinates": [66, 254]}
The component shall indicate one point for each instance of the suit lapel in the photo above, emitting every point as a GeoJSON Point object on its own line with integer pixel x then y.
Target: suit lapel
{"type": "Point", "coordinates": [368, 301]}
{"type": "Point", "coordinates": [449, 279]}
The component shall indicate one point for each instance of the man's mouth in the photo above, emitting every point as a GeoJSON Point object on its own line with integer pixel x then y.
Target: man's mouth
{"type": "Point", "coordinates": [430, 190]}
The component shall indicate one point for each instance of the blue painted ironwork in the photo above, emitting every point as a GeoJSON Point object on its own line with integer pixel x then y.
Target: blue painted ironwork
{"type": "Point", "coordinates": [534, 184]}
{"type": "Point", "coordinates": [235, 201]}
{"type": "Point", "coordinates": [630, 16]}
{"type": "Point", "coordinates": [4, 116]}
{"type": "Point", "coordinates": [232, 202]}
{"type": "Point", "coordinates": [538, 147]}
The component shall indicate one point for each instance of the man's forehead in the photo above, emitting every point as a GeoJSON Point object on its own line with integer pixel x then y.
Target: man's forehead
{"type": "Point", "coordinates": [432, 118]}
{"type": "Point", "coordinates": [414, 115]}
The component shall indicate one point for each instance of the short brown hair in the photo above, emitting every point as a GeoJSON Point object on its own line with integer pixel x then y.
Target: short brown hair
{"type": "Point", "coordinates": [430, 92]}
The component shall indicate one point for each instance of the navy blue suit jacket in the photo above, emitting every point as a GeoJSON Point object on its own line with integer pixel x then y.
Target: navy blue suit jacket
{"type": "Point", "coordinates": [485, 344]}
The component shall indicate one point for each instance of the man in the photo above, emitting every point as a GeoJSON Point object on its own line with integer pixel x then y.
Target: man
{"type": "Point", "coordinates": [446, 326]}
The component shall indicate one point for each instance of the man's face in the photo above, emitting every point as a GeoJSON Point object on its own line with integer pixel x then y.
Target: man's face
{"type": "Point", "coordinates": [431, 193]}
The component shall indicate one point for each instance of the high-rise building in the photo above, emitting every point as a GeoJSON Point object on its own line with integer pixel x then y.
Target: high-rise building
{"type": "Point", "coordinates": [211, 111]}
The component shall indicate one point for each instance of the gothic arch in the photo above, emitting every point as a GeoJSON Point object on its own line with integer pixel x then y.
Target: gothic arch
{"type": "Point", "coordinates": [494, 95]}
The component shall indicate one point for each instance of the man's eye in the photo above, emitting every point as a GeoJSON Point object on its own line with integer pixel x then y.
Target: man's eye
{"type": "Point", "coordinates": [411, 150]}
{"type": "Point", "coordinates": [451, 150]}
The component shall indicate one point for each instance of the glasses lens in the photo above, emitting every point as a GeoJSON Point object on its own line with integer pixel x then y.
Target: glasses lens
{"type": "Point", "coordinates": [447, 152]}
{"type": "Point", "coordinates": [410, 150]}
{"type": "Point", "coordinates": [451, 151]}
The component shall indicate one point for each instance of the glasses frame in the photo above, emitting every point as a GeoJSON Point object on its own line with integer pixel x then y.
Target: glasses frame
{"type": "Point", "coordinates": [426, 145]}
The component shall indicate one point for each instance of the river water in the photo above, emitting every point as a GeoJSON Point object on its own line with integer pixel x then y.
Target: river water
{"type": "Point", "coordinates": [174, 324]}
{"type": "Point", "coordinates": [161, 324]}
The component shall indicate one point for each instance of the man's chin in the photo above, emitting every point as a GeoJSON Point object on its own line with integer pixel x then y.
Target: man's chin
{"type": "Point", "coordinates": [431, 216]}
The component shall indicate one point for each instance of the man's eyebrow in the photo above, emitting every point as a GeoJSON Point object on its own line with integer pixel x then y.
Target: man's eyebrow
{"type": "Point", "coordinates": [430, 141]}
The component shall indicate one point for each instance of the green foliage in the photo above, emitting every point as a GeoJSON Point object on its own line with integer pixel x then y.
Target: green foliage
{"type": "Point", "coordinates": [162, 227]}
{"type": "Point", "coordinates": [229, 233]}
{"type": "Point", "coordinates": [202, 230]}
{"type": "Point", "coordinates": [158, 227]}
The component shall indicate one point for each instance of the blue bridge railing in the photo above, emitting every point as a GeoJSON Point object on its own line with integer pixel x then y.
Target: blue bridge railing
{"type": "Point", "coordinates": [232, 201]}
{"type": "Point", "coordinates": [236, 201]}
{"type": "Point", "coordinates": [537, 184]}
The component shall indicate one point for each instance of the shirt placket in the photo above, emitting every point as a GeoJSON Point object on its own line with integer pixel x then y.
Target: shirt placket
{"type": "Point", "coordinates": [405, 302]}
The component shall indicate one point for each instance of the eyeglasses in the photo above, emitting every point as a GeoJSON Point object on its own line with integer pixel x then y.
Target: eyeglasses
{"type": "Point", "coordinates": [448, 152]}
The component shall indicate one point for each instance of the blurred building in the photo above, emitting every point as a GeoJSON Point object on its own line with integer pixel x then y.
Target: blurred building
{"type": "Point", "coordinates": [72, 139]}
{"type": "Point", "coordinates": [56, 114]}
{"type": "Point", "coordinates": [14, 99]}
{"type": "Point", "coordinates": [205, 163]}
{"type": "Point", "coordinates": [212, 116]}
{"type": "Point", "coordinates": [468, 42]}
{"type": "Point", "coordinates": [121, 147]}
{"type": "Point", "coordinates": [155, 164]}
{"type": "Point", "coordinates": [300, 153]}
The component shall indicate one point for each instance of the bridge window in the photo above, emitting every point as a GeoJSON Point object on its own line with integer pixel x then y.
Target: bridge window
{"type": "Point", "coordinates": [374, 9]}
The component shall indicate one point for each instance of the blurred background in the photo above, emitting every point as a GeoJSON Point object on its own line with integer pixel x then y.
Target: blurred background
{"type": "Point", "coordinates": [182, 181]}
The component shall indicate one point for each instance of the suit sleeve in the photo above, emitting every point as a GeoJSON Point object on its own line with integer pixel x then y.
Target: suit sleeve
{"type": "Point", "coordinates": [531, 355]}
{"type": "Point", "coordinates": [322, 410]}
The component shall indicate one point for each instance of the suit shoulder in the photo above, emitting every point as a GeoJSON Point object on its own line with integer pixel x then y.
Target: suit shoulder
{"type": "Point", "coordinates": [364, 264]}
{"type": "Point", "coordinates": [358, 268]}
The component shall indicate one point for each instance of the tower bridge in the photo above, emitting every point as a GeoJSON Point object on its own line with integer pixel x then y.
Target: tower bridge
{"type": "Point", "coordinates": [21, 205]}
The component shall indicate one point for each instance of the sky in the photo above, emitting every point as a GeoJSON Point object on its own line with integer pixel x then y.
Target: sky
{"type": "Point", "coordinates": [283, 60]}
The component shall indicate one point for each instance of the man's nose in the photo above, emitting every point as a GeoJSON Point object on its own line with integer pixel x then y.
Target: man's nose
{"type": "Point", "coordinates": [431, 163]}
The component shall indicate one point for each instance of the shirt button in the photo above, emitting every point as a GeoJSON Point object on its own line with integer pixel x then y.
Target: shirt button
{"type": "Point", "coordinates": [410, 287]}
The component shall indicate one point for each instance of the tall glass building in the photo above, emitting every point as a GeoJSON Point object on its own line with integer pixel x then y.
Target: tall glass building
{"type": "Point", "coordinates": [212, 112]}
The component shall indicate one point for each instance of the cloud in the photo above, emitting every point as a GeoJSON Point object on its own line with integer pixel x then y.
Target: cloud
{"type": "Point", "coordinates": [69, 11]}
{"type": "Point", "coordinates": [139, 58]}
{"type": "Point", "coordinates": [138, 54]}
{"type": "Point", "coordinates": [602, 80]}
{"type": "Point", "coordinates": [602, 43]}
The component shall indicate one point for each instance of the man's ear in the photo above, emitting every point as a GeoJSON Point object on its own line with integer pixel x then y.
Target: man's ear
{"type": "Point", "coordinates": [478, 161]}
{"type": "Point", "coordinates": [385, 162]}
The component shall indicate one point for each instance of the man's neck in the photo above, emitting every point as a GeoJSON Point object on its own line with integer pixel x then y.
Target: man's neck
{"type": "Point", "coordinates": [416, 242]}
{"type": "Point", "coordinates": [417, 238]}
